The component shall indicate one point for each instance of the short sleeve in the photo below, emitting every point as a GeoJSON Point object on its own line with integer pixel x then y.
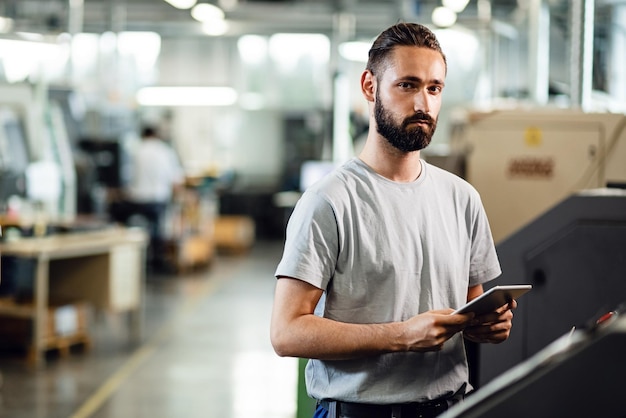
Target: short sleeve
{"type": "Point", "coordinates": [311, 243]}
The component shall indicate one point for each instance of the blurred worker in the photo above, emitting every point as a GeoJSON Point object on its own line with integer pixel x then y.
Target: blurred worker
{"type": "Point", "coordinates": [379, 252]}
{"type": "Point", "coordinates": [156, 175]}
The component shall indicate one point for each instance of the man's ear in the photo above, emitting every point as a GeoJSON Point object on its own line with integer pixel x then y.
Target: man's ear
{"type": "Point", "coordinates": [368, 85]}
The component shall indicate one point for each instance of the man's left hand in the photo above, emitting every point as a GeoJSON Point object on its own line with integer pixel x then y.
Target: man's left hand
{"type": "Point", "coordinates": [494, 327]}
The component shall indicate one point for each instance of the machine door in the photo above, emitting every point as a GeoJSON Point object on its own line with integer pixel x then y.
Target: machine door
{"type": "Point", "coordinates": [522, 167]}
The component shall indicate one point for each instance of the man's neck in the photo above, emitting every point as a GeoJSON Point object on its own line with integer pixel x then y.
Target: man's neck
{"type": "Point", "coordinates": [389, 162]}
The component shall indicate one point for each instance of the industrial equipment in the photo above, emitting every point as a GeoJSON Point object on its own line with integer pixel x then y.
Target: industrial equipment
{"type": "Point", "coordinates": [34, 146]}
{"type": "Point", "coordinates": [574, 255]}
{"type": "Point", "coordinates": [579, 375]}
{"type": "Point", "coordinates": [525, 161]}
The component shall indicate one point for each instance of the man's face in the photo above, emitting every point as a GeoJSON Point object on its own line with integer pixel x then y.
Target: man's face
{"type": "Point", "coordinates": [408, 98]}
{"type": "Point", "coordinates": [413, 133]}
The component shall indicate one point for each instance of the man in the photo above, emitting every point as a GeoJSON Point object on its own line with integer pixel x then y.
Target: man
{"type": "Point", "coordinates": [156, 170]}
{"type": "Point", "coordinates": [379, 252]}
{"type": "Point", "coordinates": [156, 174]}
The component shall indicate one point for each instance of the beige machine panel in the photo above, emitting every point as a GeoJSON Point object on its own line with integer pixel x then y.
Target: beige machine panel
{"type": "Point", "coordinates": [525, 162]}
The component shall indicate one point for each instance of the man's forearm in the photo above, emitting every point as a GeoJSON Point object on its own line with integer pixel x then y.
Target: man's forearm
{"type": "Point", "coordinates": [310, 336]}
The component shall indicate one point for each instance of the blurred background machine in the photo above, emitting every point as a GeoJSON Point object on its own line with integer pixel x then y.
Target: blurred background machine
{"type": "Point", "coordinates": [574, 256]}
{"type": "Point", "coordinates": [552, 182]}
{"type": "Point", "coordinates": [36, 159]}
{"type": "Point", "coordinates": [525, 161]}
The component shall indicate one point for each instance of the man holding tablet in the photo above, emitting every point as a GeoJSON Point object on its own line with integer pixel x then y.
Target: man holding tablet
{"type": "Point", "coordinates": [379, 252]}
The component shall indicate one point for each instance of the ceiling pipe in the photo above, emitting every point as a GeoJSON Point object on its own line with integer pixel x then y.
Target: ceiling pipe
{"type": "Point", "coordinates": [539, 51]}
{"type": "Point", "coordinates": [581, 53]}
{"type": "Point", "coordinates": [76, 16]}
{"type": "Point", "coordinates": [344, 24]}
{"type": "Point", "coordinates": [617, 75]}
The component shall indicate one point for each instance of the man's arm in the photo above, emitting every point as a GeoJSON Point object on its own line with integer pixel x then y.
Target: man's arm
{"type": "Point", "coordinates": [297, 332]}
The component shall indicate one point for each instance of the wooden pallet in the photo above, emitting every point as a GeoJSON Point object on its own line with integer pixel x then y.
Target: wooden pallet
{"type": "Point", "coordinates": [16, 328]}
{"type": "Point", "coordinates": [62, 345]}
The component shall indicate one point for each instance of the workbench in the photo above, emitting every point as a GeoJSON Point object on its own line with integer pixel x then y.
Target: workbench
{"type": "Point", "coordinates": [105, 268]}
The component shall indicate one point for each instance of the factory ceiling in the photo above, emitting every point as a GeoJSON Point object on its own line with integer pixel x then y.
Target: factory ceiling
{"type": "Point", "coordinates": [245, 16]}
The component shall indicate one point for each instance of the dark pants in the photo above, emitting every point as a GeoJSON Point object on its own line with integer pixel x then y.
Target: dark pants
{"type": "Point", "coordinates": [152, 213]}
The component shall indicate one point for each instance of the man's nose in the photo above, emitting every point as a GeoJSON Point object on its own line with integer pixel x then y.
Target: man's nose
{"type": "Point", "coordinates": [422, 102]}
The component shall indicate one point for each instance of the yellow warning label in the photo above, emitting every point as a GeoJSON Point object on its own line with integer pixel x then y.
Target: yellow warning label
{"type": "Point", "coordinates": [532, 136]}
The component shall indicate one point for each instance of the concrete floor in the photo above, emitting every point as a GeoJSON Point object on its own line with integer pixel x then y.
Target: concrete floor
{"type": "Point", "coordinates": [205, 353]}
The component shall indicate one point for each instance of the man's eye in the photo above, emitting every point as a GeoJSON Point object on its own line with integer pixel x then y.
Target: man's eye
{"type": "Point", "coordinates": [405, 85]}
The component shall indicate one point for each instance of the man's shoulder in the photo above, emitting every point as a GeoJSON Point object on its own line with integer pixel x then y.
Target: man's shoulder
{"type": "Point", "coordinates": [337, 182]}
{"type": "Point", "coordinates": [445, 178]}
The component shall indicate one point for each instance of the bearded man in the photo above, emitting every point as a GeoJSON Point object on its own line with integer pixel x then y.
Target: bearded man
{"type": "Point", "coordinates": [379, 252]}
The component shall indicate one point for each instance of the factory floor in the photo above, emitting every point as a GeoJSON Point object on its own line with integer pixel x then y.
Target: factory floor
{"type": "Point", "coordinates": [205, 352]}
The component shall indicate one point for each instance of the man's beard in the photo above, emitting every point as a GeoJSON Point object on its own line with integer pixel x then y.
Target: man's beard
{"type": "Point", "coordinates": [402, 136]}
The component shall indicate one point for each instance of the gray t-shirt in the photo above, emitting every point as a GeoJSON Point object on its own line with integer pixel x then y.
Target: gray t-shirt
{"type": "Point", "coordinates": [385, 251]}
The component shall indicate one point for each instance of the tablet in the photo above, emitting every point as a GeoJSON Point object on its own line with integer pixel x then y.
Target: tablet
{"type": "Point", "coordinates": [494, 298]}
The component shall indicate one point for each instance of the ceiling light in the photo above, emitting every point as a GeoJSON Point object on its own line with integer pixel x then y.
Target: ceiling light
{"type": "Point", "coordinates": [443, 17]}
{"type": "Point", "coordinates": [215, 27]}
{"type": "Point", "coordinates": [456, 6]}
{"type": "Point", "coordinates": [355, 51]}
{"type": "Point", "coordinates": [182, 4]}
{"type": "Point", "coordinates": [252, 49]}
{"type": "Point", "coordinates": [186, 96]}
{"type": "Point", "coordinates": [287, 49]}
{"type": "Point", "coordinates": [204, 12]}
{"type": "Point", "coordinates": [22, 58]}
{"type": "Point", "coordinates": [228, 4]}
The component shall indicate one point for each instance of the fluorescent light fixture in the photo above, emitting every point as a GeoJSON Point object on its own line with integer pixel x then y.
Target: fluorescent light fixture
{"type": "Point", "coordinates": [286, 49]}
{"type": "Point", "coordinates": [186, 96]}
{"type": "Point", "coordinates": [215, 27]}
{"type": "Point", "coordinates": [144, 47]}
{"type": "Point", "coordinates": [462, 44]}
{"type": "Point", "coordinates": [182, 4]}
{"type": "Point", "coordinates": [212, 18]}
{"type": "Point", "coordinates": [443, 17]}
{"type": "Point", "coordinates": [456, 6]}
{"type": "Point", "coordinates": [228, 4]}
{"type": "Point", "coordinates": [21, 58]}
{"type": "Point", "coordinates": [203, 12]}
{"type": "Point", "coordinates": [252, 48]}
{"type": "Point", "coordinates": [355, 51]}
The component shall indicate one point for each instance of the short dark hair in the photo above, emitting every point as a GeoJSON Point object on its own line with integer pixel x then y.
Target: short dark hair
{"type": "Point", "coordinates": [400, 34]}
{"type": "Point", "coordinates": [148, 131]}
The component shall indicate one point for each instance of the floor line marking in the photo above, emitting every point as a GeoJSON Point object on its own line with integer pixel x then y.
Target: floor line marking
{"type": "Point", "coordinates": [141, 354]}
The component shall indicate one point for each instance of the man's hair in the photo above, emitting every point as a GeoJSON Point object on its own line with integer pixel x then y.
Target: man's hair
{"type": "Point", "coordinates": [400, 34]}
{"type": "Point", "coordinates": [148, 131]}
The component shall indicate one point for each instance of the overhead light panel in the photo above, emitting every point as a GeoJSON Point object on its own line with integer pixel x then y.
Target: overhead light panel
{"type": "Point", "coordinates": [443, 17]}
{"type": "Point", "coordinates": [456, 6]}
{"type": "Point", "coordinates": [21, 58]}
{"type": "Point", "coordinates": [182, 4]}
{"type": "Point", "coordinates": [204, 12]}
{"type": "Point", "coordinates": [212, 18]}
{"type": "Point", "coordinates": [252, 49]}
{"type": "Point", "coordinates": [215, 27]}
{"type": "Point", "coordinates": [355, 50]}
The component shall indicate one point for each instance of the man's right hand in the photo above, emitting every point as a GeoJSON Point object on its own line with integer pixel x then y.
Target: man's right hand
{"type": "Point", "coordinates": [428, 331]}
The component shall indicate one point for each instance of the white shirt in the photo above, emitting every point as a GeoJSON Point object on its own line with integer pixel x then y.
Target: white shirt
{"type": "Point", "coordinates": [155, 170]}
